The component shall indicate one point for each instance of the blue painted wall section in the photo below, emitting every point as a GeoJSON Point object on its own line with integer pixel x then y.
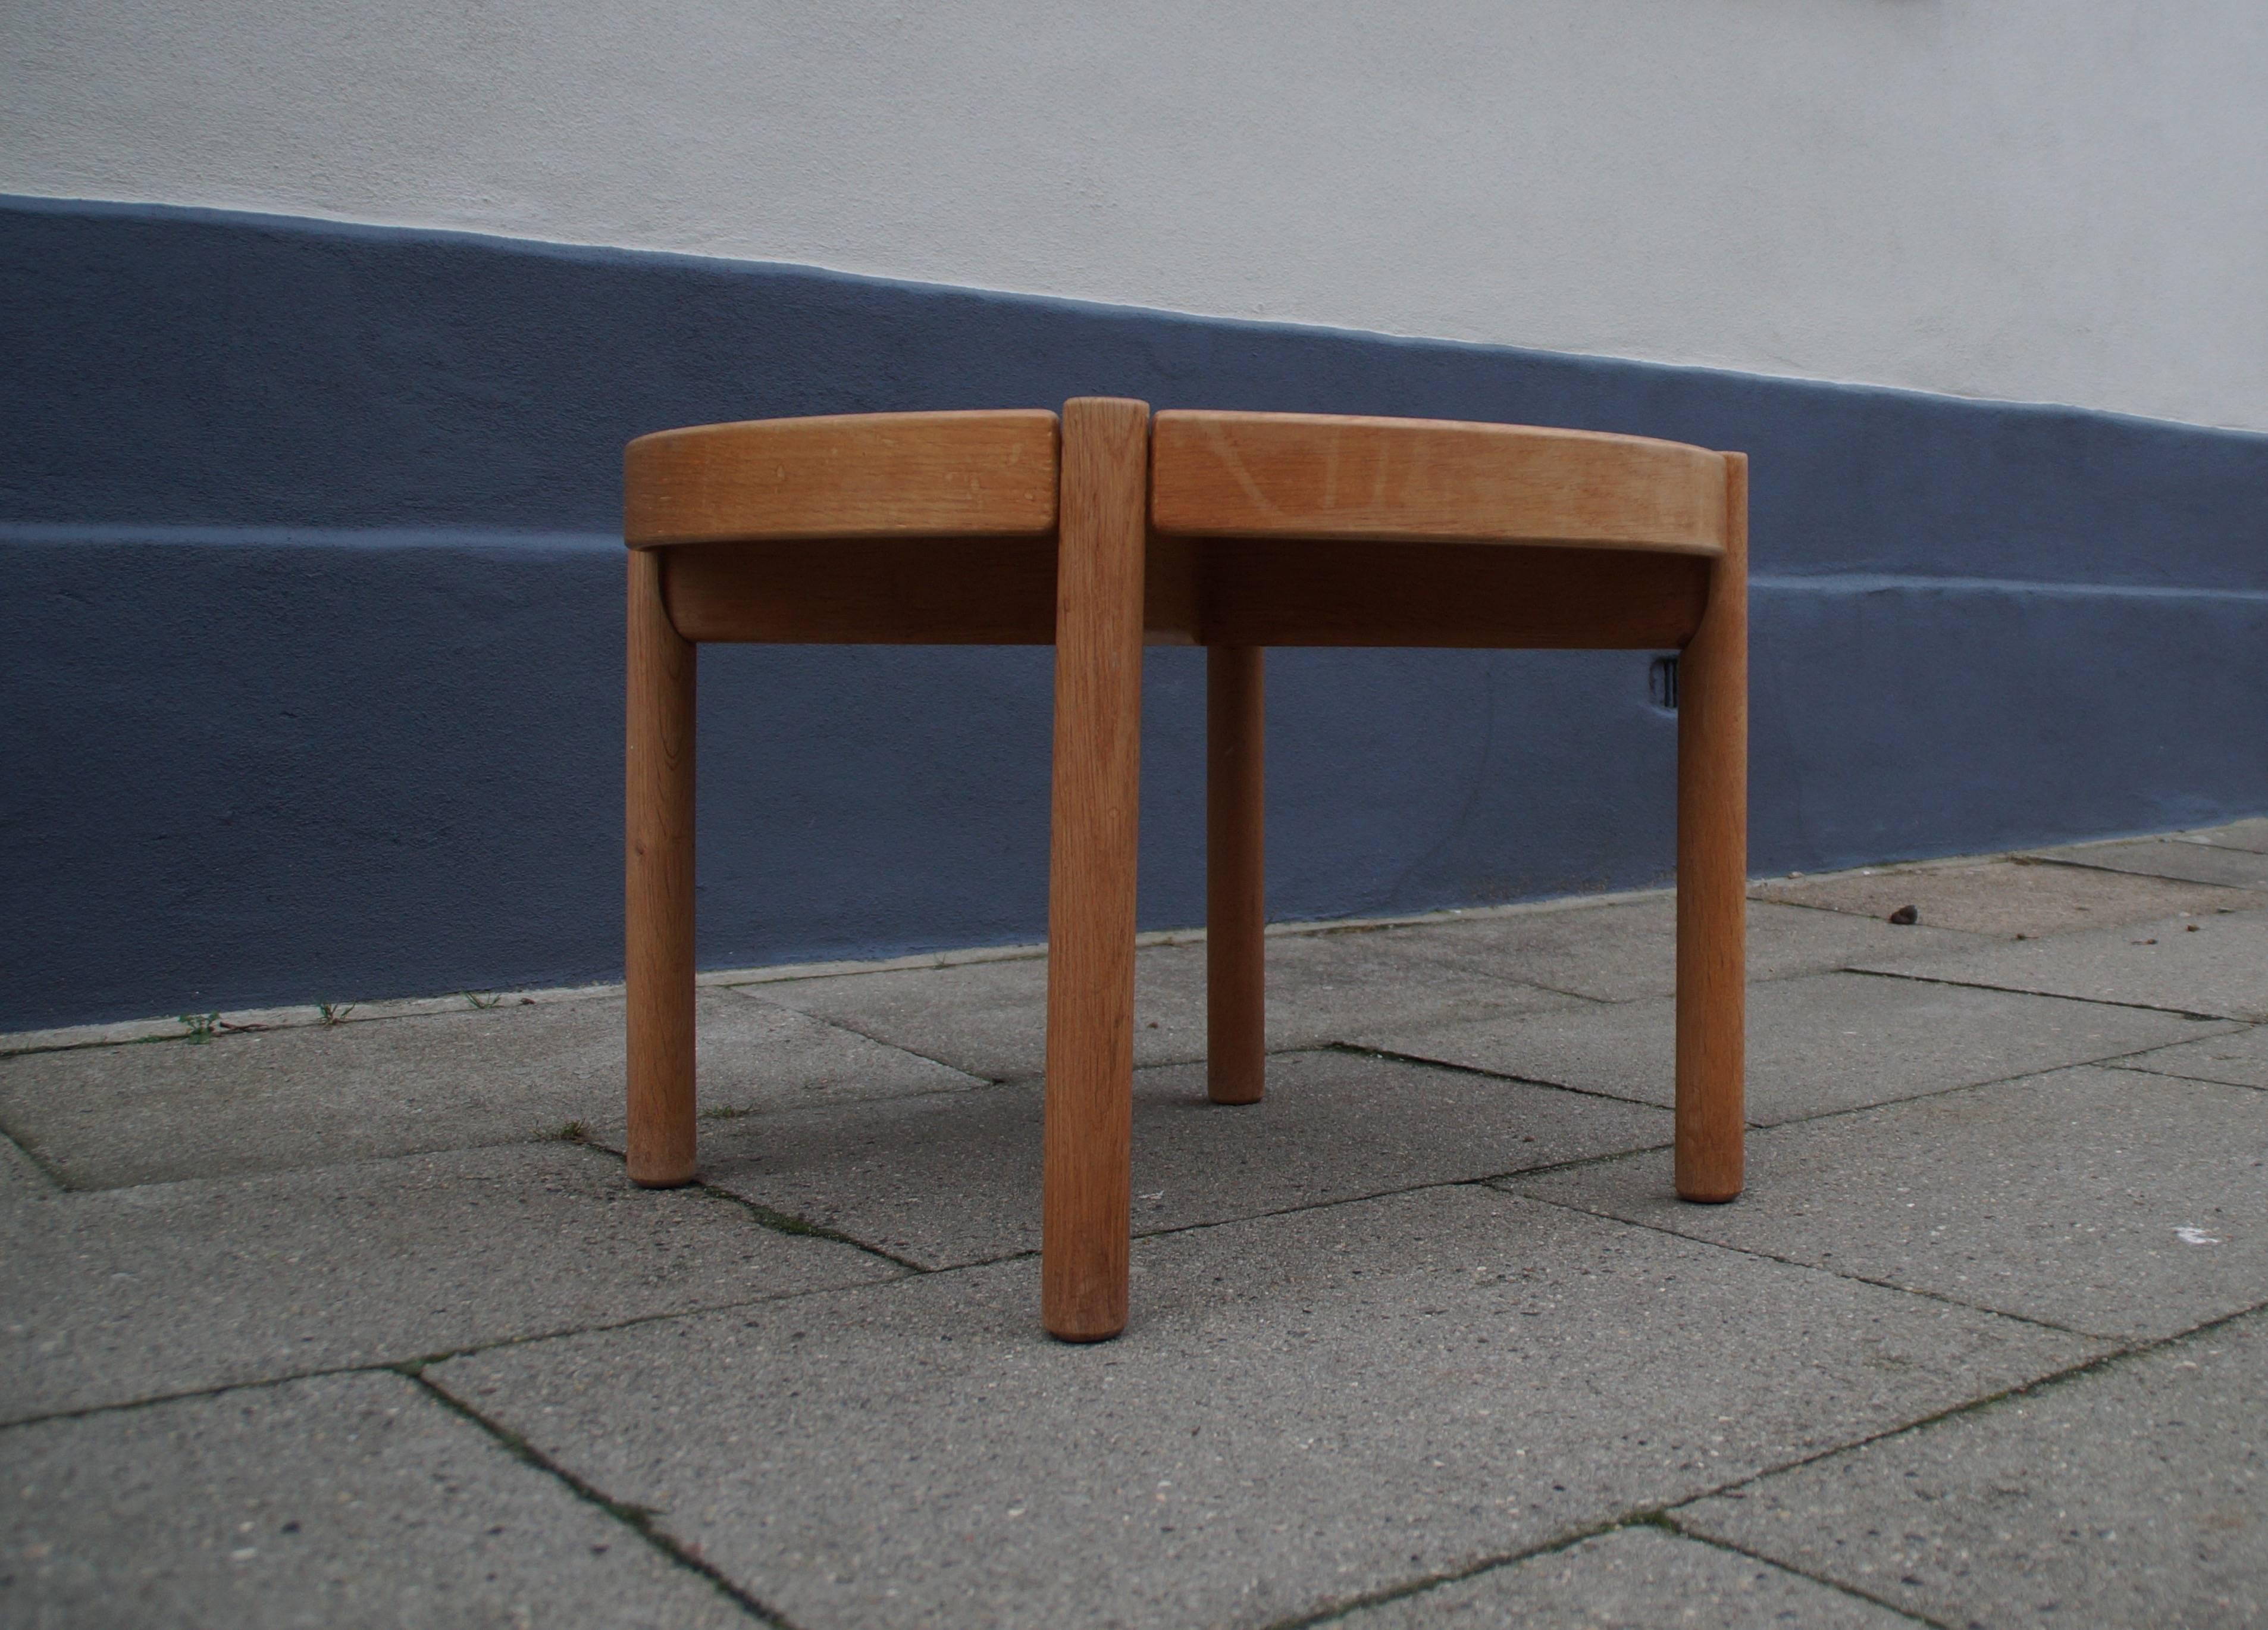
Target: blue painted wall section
{"type": "Point", "coordinates": [312, 625]}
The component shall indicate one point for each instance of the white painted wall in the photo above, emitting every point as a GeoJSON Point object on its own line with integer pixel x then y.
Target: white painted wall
{"type": "Point", "coordinates": [2039, 199]}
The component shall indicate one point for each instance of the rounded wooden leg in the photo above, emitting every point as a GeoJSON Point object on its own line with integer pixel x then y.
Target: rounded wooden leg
{"type": "Point", "coordinates": [1713, 812]}
{"type": "Point", "coordinates": [1236, 894]}
{"type": "Point", "coordinates": [657, 885]}
{"type": "Point", "coordinates": [1087, 1206]}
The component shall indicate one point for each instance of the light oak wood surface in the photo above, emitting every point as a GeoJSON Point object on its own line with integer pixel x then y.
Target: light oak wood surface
{"type": "Point", "coordinates": [1086, 1201]}
{"type": "Point", "coordinates": [865, 475]}
{"type": "Point", "coordinates": [1309, 476]}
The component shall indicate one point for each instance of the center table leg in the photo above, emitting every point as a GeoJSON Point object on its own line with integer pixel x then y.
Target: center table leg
{"type": "Point", "coordinates": [1098, 738]}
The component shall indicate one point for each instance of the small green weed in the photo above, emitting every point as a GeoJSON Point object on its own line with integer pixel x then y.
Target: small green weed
{"type": "Point", "coordinates": [573, 1131]}
{"type": "Point", "coordinates": [334, 1013]}
{"type": "Point", "coordinates": [201, 1025]}
{"type": "Point", "coordinates": [482, 1000]}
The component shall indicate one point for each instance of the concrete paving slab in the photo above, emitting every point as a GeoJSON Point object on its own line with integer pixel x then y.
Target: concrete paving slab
{"type": "Point", "coordinates": [1824, 1043]}
{"type": "Point", "coordinates": [346, 1500]}
{"type": "Point", "coordinates": [142, 1293]}
{"type": "Point", "coordinates": [1621, 953]}
{"type": "Point", "coordinates": [157, 1111]}
{"type": "Point", "coordinates": [955, 1179]}
{"type": "Point", "coordinates": [2006, 898]}
{"type": "Point", "coordinates": [1305, 1409]}
{"type": "Point", "coordinates": [1636, 1578]}
{"type": "Point", "coordinates": [2164, 857]}
{"type": "Point", "coordinates": [2239, 1057]}
{"type": "Point", "coordinates": [2133, 1495]}
{"type": "Point", "coordinates": [2251, 835]}
{"type": "Point", "coordinates": [2216, 964]}
{"type": "Point", "coordinates": [990, 1018]}
{"type": "Point", "coordinates": [1323, 987]}
{"type": "Point", "coordinates": [2107, 1201]}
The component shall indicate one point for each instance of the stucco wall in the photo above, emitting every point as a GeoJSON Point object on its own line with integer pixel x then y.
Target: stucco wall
{"type": "Point", "coordinates": [2029, 199]}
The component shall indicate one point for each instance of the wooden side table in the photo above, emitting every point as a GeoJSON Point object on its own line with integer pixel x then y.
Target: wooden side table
{"type": "Point", "coordinates": [1106, 530]}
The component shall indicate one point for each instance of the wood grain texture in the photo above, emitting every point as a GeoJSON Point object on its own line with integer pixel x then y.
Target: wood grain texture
{"type": "Point", "coordinates": [658, 886]}
{"type": "Point", "coordinates": [1088, 1131]}
{"type": "Point", "coordinates": [1236, 886]}
{"type": "Point", "coordinates": [1288, 475]}
{"type": "Point", "coordinates": [867, 474]}
{"type": "Point", "coordinates": [1712, 866]}
{"type": "Point", "coordinates": [1304, 592]}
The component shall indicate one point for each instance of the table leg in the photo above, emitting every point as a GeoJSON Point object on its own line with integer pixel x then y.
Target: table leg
{"type": "Point", "coordinates": [1098, 738]}
{"type": "Point", "coordinates": [657, 885]}
{"type": "Point", "coordinates": [1712, 785]}
{"type": "Point", "coordinates": [1236, 895]}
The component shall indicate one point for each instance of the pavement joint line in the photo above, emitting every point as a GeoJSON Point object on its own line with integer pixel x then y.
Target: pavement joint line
{"type": "Point", "coordinates": [1554, 990]}
{"type": "Point", "coordinates": [638, 1519]}
{"type": "Point", "coordinates": [2169, 1075]}
{"type": "Point", "coordinates": [880, 1041]}
{"type": "Point", "coordinates": [2118, 1353]}
{"type": "Point", "coordinates": [31, 1159]}
{"type": "Point", "coordinates": [1584, 996]}
{"type": "Point", "coordinates": [1361, 1050]}
{"type": "Point", "coordinates": [1813, 1267]}
{"type": "Point", "coordinates": [2097, 1001]}
{"type": "Point", "coordinates": [788, 1223]}
{"type": "Point", "coordinates": [152, 1400]}
{"type": "Point", "coordinates": [443, 1355]}
{"type": "Point", "coordinates": [1564, 1541]}
{"type": "Point", "coordinates": [2053, 996]}
{"type": "Point", "coordinates": [2121, 871]}
{"type": "Point", "coordinates": [586, 1139]}
{"type": "Point", "coordinates": [1748, 1125]}
{"type": "Point", "coordinates": [1489, 1181]}
{"type": "Point", "coordinates": [1643, 1516]}
{"type": "Point", "coordinates": [2108, 1061]}
{"type": "Point", "coordinates": [766, 1216]}
{"type": "Point", "coordinates": [1668, 1521]}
